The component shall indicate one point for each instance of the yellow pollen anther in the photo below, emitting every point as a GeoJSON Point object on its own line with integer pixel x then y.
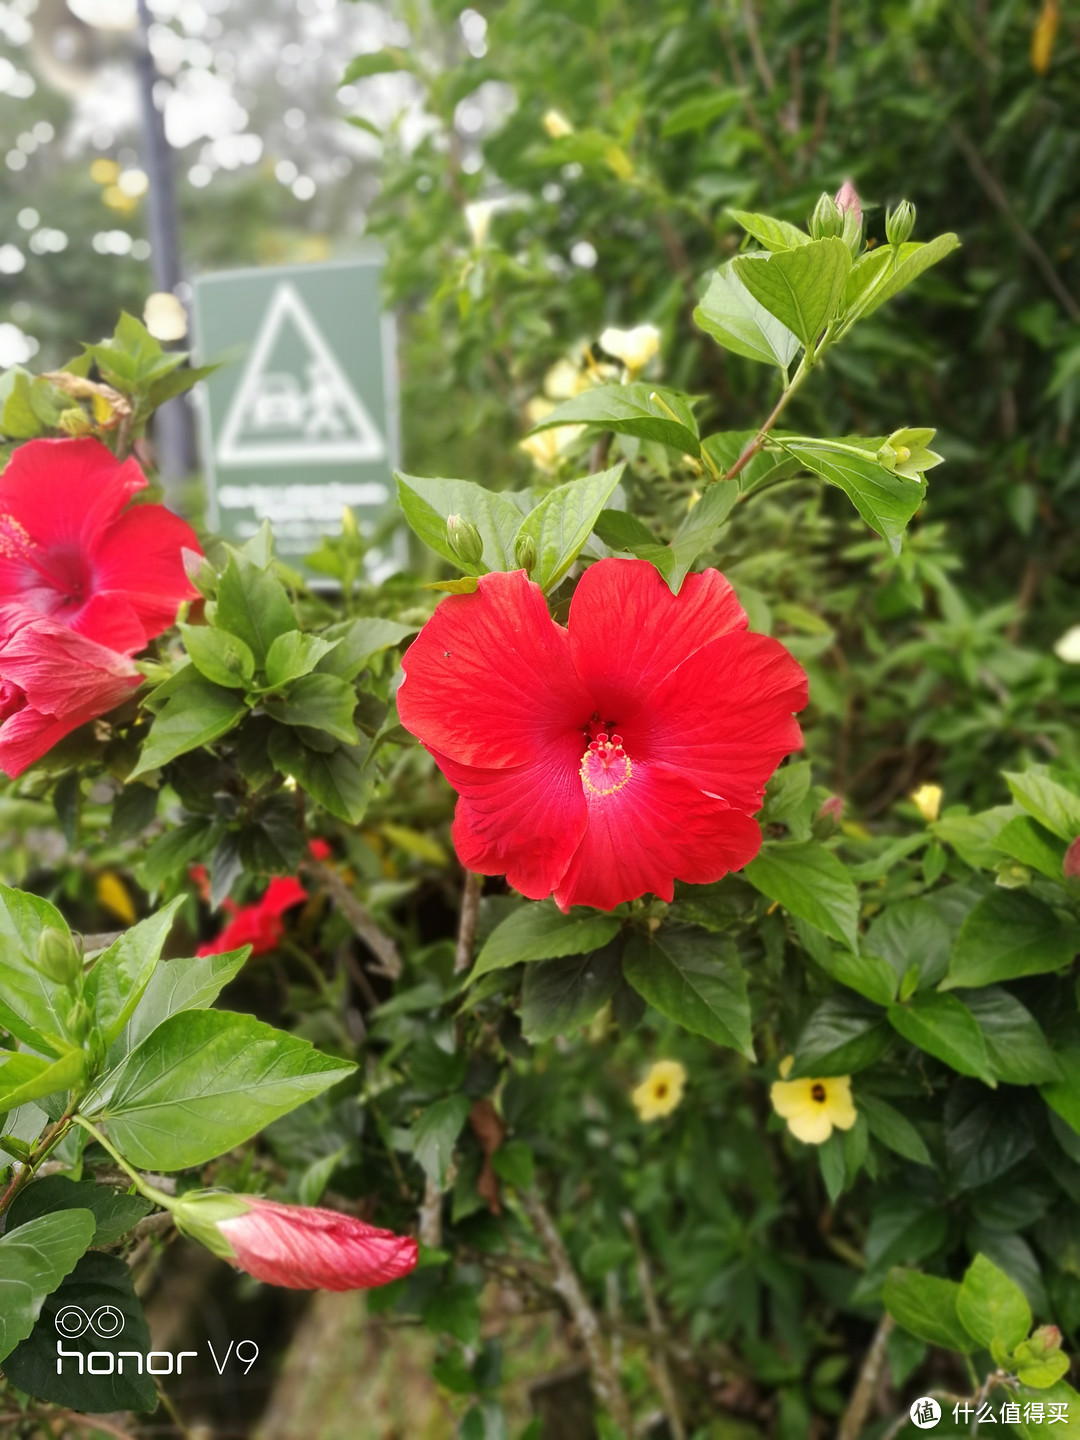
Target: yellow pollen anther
{"type": "Point", "coordinates": [611, 769]}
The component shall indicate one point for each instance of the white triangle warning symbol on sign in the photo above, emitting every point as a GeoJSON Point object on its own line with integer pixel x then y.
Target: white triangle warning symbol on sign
{"type": "Point", "coordinates": [279, 417]}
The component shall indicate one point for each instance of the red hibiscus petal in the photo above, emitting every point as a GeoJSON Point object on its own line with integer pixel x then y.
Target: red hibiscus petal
{"type": "Point", "coordinates": [657, 827]}
{"type": "Point", "coordinates": [724, 717]}
{"type": "Point", "coordinates": [66, 680]}
{"type": "Point", "coordinates": [65, 493]}
{"type": "Point", "coordinates": [525, 822]}
{"type": "Point", "coordinates": [108, 620]}
{"type": "Point", "coordinates": [139, 563]}
{"type": "Point", "coordinates": [489, 680]}
{"type": "Point", "coordinates": [628, 631]}
{"type": "Point", "coordinates": [304, 1248]}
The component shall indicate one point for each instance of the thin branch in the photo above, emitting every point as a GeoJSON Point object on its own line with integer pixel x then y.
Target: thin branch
{"type": "Point", "coordinates": [430, 1218]}
{"type": "Point", "coordinates": [753, 34]}
{"type": "Point", "coordinates": [605, 1381]}
{"type": "Point", "coordinates": [470, 915]}
{"type": "Point", "coordinates": [778, 409]}
{"type": "Point", "coordinates": [994, 192]}
{"type": "Point", "coordinates": [832, 51]}
{"type": "Point", "coordinates": [661, 1373]}
{"type": "Point", "coordinates": [862, 1397]}
{"type": "Point", "coordinates": [360, 918]}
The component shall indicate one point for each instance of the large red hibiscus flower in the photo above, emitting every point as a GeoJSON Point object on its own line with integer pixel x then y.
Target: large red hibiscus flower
{"type": "Point", "coordinates": [72, 547]}
{"type": "Point", "coordinates": [606, 760]}
{"type": "Point", "coordinates": [51, 681]}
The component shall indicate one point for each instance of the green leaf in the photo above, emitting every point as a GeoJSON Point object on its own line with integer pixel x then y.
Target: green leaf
{"type": "Point", "coordinates": [985, 1135]}
{"type": "Point", "coordinates": [842, 1035]}
{"type": "Point", "coordinates": [700, 110]}
{"type": "Point", "coordinates": [563, 521]}
{"type": "Point", "coordinates": [1034, 1428]}
{"type": "Point", "coordinates": [946, 1029]}
{"type": "Point", "coordinates": [429, 503]}
{"type": "Point", "coordinates": [772, 233]}
{"type": "Point", "coordinates": [1047, 801]}
{"type": "Point", "coordinates": [870, 977]}
{"type": "Point", "coordinates": [908, 933]}
{"type": "Point", "coordinates": [318, 702]}
{"type": "Point", "coordinates": [1006, 935]}
{"type": "Point", "coordinates": [647, 411]}
{"type": "Point", "coordinates": [32, 1006]}
{"type": "Point", "coordinates": [810, 882]}
{"type": "Point", "coordinates": [1022, 839]}
{"type": "Point", "coordinates": [454, 1310]}
{"type": "Point", "coordinates": [833, 1165]}
{"type": "Point", "coordinates": [893, 1129]}
{"type": "Point", "coordinates": [884, 500]}
{"type": "Point", "coordinates": [878, 277]}
{"type": "Point", "coordinates": [559, 996]}
{"type": "Point", "coordinates": [974, 837]}
{"type": "Point", "coordinates": [171, 852]}
{"type": "Point", "coordinates": [116, 983]}
{"type": "Point", "coordinates": [114, 1211]}
{"type": "Point", "coordinates": [184, 984]}
{"type": "Point", "coordinates": [904, 1227]}
{"type": "Point", "coordinates": [253, 605]}
{"type": "Point", "coordinates": [294, 654]}
{"type": "Point", "coordinates": [33, 1261]}
{"type": "Point", "coordinates": [766, 467]}
{"type": "Point", "coordinates": [699, 531]}
{"type": "Point", "coordinates": [357, 642]}
{"type": "Point", "coordinates": [95, 1281]}
{"type": "Point", "coordinates": [991, 1307]}
{"type": "Point", "coordinates": [927, 1307]}
{"type": "Point", "coordinates": [1018, 1050]}
{"type": "Point", "coordinates": [18, 418]}
{"type": "Point", "coordinates": [695, 979]}
{"type": "Point", "coordinates": [731, 315]}
{"type": "Point", "coordinates": [435, 1135]}
{"type": "Point", "coordinates": [221, 657]}
{"type": "Point", "coordinates": [1037, 1369]}
{"type": "Point", "coordinates": [513, 1163]}
{"type": "Point", "coordinates": [196, 715]}
{"type": "Point", "coordinates": [1063, 1096]}
{"type": "Point", "coordinates": [228, 1075]}
{"type": "Point", "coordinates": [338, 779]}
{"type": "Point", "coordinates": [540, 931]}
{"type": "Point", "coordinates": [802, 288]}
{"type": "Point", "coordinates": [378, 62]}
{"type": "Point", "coordinates": [21, 1080]}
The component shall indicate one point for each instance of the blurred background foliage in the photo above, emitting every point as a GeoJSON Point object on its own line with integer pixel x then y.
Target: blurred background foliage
{"type": "Point", "coordinates": [536, 171]}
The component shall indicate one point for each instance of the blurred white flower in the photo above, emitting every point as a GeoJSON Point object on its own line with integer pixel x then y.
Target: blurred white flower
{"type": "Point", "coordinates": [557, 125]}
{"type": "Point", "coordinates": [164, 316]}
{"type": "Point", "coordinates": [1068, 647]}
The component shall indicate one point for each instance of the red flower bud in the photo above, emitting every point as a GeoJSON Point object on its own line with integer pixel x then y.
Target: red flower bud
{"type": "Point", "coordinates": [847, 198]}
{"type": "Point", "coordinates": [833, 807]}
{"type": "Point", "coordinates": [1071, 864]}
{"type": "Point", "coordinates": [296, 1246]}
{"type": "Point", "coordinates": [318, 849]}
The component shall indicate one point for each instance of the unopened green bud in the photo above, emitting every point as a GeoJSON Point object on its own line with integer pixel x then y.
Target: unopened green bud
{"type": "Point", "coordinates": [465, 539]}
{"type": "Point", "coordinates": [57, 956]}
{"type": "Point", "coordinates": [900, 222]}
{"type": "Point", "coordinates": [75, 422]}
{"type": "Point", "coordinates": [826, 220]}
{"type": "Point", "coordinates": [525, 553]}
{"type": "Point", "coordinates": [77, 1020]}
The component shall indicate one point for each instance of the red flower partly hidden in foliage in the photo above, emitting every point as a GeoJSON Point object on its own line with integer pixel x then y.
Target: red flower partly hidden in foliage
{"type": "Point", "coordinates": [259, 925]}
{"type": "Point", "coordinates": [1071, 864]}
{"type": "Point", "coordinates": [609, 759]}
{"type": "Point", "coordinates": [296, 1246]}
{"type": "Point", "coordinates": [51, 681]}
{"type": "Point", "coordinates": [74, 548]}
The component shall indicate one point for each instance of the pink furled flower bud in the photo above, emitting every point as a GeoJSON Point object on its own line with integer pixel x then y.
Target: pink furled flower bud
{"type": "Point", "coordinates": [833, 808]}
{"type": "Point", "coordinates": [1071, 864]}
{"type": "Point", "coordinates": [847, 198]}
{"type": "Point", "coordinates": [296, 1246]}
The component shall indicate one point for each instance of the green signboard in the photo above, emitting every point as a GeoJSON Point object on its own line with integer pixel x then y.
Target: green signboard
{"type": "Point", "coordinates": [303, 422]}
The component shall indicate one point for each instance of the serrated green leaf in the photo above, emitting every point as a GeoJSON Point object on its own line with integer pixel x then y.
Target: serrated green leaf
{"type": "Point", "coordinates": [880, 274]}
{"type": "Point", "coordinates": [926, 1307]}
{"type": "Point", "coordinates": [253, 604]}
{"type": "Point", "coordinates": [772, 233]}
{"type": "Point", "coordinates": [884, 500]}
{"type": "Point", "coordinates": [563, 521]}
{"type": "Point", "coordinates": [429, 503]}
{"type": "Point", "coordinates": [1009, 934]}
{"type": "Point", "coordinates": [730, 314]}
{"type": "Point", "coordinates": [810, 882]}
{"type": "Point", "coordinates": [33, 1261]}
{"type": "Point", "coordinates": [646, 411]}
{"type": "Point", "coordinates": [540, 931]}
{"type": "Point", "coordinates": [700, 110]}
{"type": "Point", "coordinates": [991, 1307]}
{"type": "Point", "coordinates": [802, 288]}
{"type": "Point", "coordinates": [945, 1028]}
{"type": "Point", "coordinates": [695, 979]}
{"type": "Point", "coordinates": [197, 715]}
{"type": "Point", "coordinates": [337, 779]}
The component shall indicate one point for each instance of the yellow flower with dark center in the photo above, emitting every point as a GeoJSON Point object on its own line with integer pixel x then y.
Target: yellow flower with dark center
{"type": "Point", "coordinates": [661, 1090]}
{"type": "Point", "coordinates": [813, 1107]}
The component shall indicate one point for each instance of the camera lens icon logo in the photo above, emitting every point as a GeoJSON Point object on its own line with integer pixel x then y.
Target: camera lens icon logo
{"type": "Point", "coordinates": [72, 1321]}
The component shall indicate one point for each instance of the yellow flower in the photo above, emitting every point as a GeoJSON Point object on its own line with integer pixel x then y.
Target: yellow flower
{"type": "Point", "coordinates": [813, 1107]}
{"type": "Point", "coordinates": [635, 348]}
{"type": "Point", "coordinates": [1044, 35]}
{"type": "Point", "coordinates": [557, 125]}
{"type": "Point", "coordinates": [927, 800]}
{"type": "Point", "coordinates": [661, 1090]}
{"type": "Point", "coordinates": [113, 896]}
{"type": "Point", "coordinates": [104, 172]}
{"type": "Point", "coordinates": [547, 446]}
